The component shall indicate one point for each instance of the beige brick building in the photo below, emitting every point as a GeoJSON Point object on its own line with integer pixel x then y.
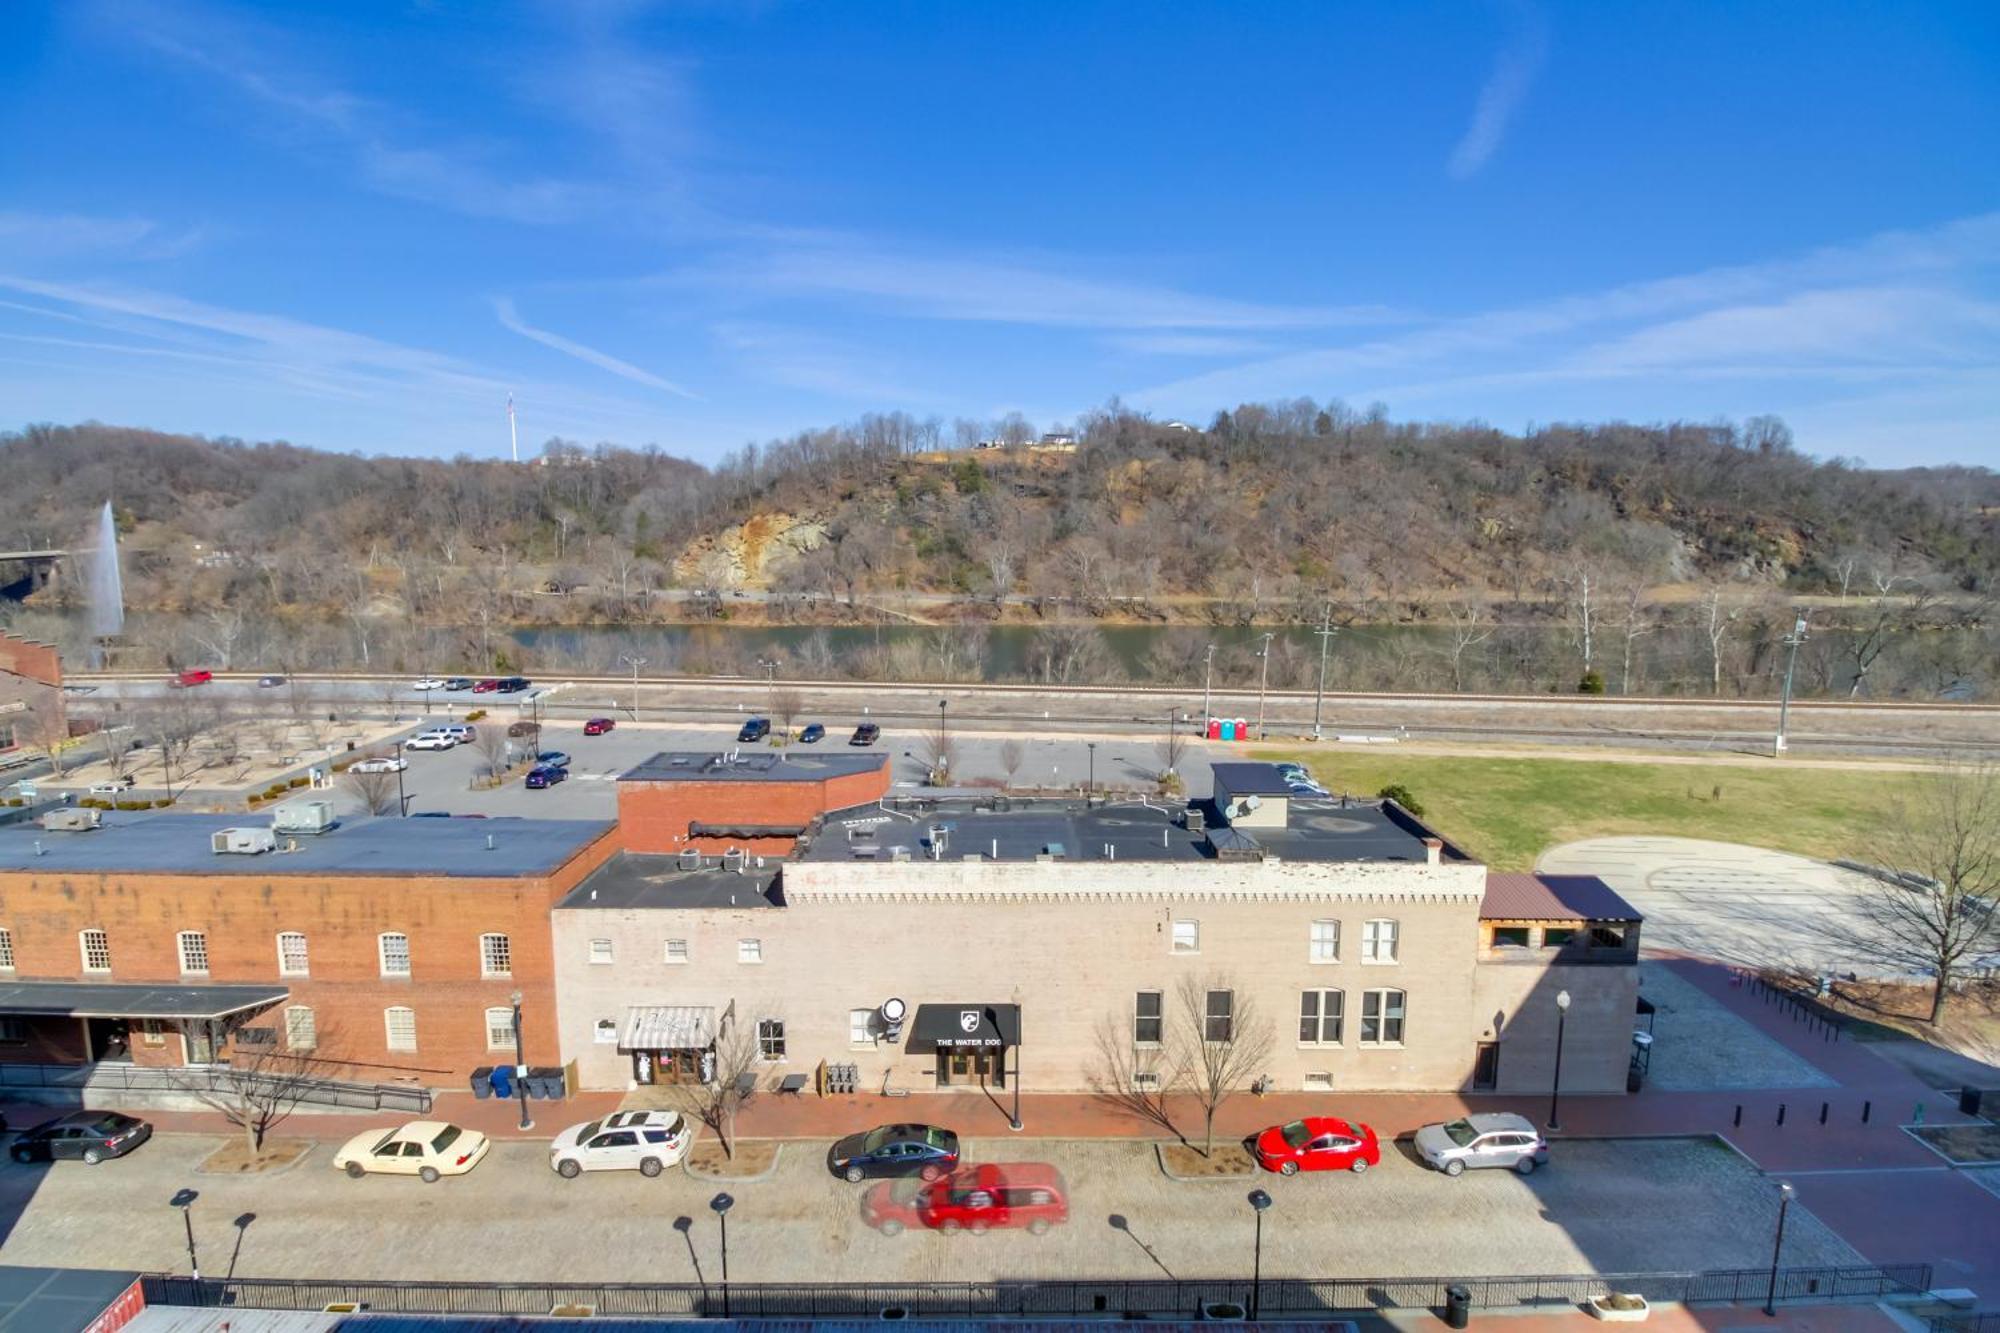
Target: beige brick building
{"type": "Point", "coordinates": [996, 940]}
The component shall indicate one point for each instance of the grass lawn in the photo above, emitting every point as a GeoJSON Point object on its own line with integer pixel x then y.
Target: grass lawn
{"type": "Point", "coordinates": [1507, 811]}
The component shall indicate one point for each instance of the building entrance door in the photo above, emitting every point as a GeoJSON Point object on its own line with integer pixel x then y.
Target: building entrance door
{"type": "Point", "coordinates": [972, 1067]}
{"type": "Point", "coordinates": [110, 1040]}
{"type": "Point", "coordinates": [1486, 1067]}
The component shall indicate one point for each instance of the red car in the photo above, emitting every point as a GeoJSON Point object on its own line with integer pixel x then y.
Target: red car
{"type": "Point", "coordinates": [597, 726]}
{"type": "Point", "coordinates": [485, 687]}
{"type": "Point", "coordinates": [1024, 1195]}
{"type": "Point", "coordinates": [188, 678]}
{"type": "Point", "coordinates": [1318, 1143]}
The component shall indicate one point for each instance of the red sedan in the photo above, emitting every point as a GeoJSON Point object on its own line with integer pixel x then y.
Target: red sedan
{"type": "Point", "coordinates": [597, 726]}
{"type": "Point", "coordinates": [1318, 1143]}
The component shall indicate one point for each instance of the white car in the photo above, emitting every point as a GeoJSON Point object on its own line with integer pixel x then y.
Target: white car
{"type": "Point", "coordinates": [431, 740]}
{"type": "Point", "coordinates": [645, 1141]}
{"type": "Point", "coordinates": [429, 683]}
{"type": "Point", "coordinates": [117, 787]}
{"type": "Point", "coordinates": [381, 763]}
{"type": "Point", "coordinates": [423, 1148]}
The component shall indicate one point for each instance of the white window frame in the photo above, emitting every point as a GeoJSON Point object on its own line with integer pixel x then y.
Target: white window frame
{"type": "Point", "coordinates": [389, 1018]}
{"type": "Point", "coordinates": [673, 960]}
{"type": "Point", "coordinates": [1323, 950]}
{"type": "Point", "coordinates": [861, 1027]}
{"type": "Point", "coordinates": [602, 952]}
{"type": "Point", "coordinates": [750, 951]}
{"type": "Point", "coordinates": [285, 969]}
{"type": "Point", "coordinates": [102, 939]}
{"type": "Point", "coordinates": [1380, 997]}
{"type": "Point", "coordinates": [1321, 993]}
{"type": "Point", "coordinates": [295, 1025]}
{"type": "Point", "coordinates": [500, 1036]}
{"type": "Point", "coordinates": [495, 961]}
{"type": "Point", "coordinates": [1373, 935]}
{"type": "Point", "coordinates": [382, 953]}
{"type": "Point", "coordinates": [6, 949]}
{"type": "Point", "coordinates": [191, 948]}
{"type": "Point", "coordinates": [767, 1039]}
{"type": "Point", "coordinates": [1193, 931]}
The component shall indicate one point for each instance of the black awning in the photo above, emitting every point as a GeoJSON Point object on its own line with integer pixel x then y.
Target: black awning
{"type": "Point", "coordinates": [94, 999]}
{"type": "Point", "coordinates": [944, 1027]}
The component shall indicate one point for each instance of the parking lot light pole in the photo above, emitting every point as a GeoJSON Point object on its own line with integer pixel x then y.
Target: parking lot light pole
{"type": "Point", "coordinates": [1207, 679]}
{"type": "Point", "coordinates": [184, 1200]}
{"type": "Point", "coordinates": [520, 1065]}
{"type": "Point", "coordinates": [1555, 1084]}
{"type": "Point", "coordinates": [1263, 680]}
{"type": "Point", "coordinates": [1259, 1201]}
{"type": "Point", "coordinates": [635, 663]}
{"type": "Point", "coordinates": [722, 1203]}
{"type": "Point", "coordinates": [1778, 1248]}
{"type": "Point", "coordinates": [402, 800]}
{"type": "Point", "coordinates": [1090, 787]}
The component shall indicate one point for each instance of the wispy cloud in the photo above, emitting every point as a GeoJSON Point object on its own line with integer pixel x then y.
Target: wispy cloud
{"type": "Point", "coordinates": [503, 308]}
{"type": "Point", "coordinates": [1514, 72]}
{"type": "Point", "coordinates": [44, 236]}
{"type": "Point", "coordinates": [1186, 344]}
{"type": "Point", "coordinates": [800, 359]}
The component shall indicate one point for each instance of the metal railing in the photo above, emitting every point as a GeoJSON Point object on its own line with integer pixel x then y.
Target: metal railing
{"type": "Point", "coordinates": [1967, 1323]}
{"type": "Point", "coordinates": [1063, 1298]}
{"type": "Point", "coordinates": [192, 1080]}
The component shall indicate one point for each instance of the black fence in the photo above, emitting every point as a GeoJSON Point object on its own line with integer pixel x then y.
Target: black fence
{"type": "Point", "coordinates": [1967, 1323]}
{"type": "Point", "coordinates": [109, 1076]}
{"type": "Point", "coordinates": [1071, 1299]}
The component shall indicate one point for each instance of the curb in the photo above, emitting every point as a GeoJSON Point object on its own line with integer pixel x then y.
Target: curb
{"type": "Point", "coordinates": [1160, 1155]}
{"type": "Point", "coordinates": [777, 1156]}
{"type": "Point", "coordinates": [201, 1169]}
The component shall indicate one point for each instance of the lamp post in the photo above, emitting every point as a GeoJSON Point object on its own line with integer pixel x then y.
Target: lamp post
{"type": "Point", "coordinates": [722, 1203]}
{"type": "Point", "coordinates": [1014, 1120]}
{"type": "Point", "coordinates": [1778, 1247]}
{"type": "Point", "coordinates": [944, 743]}
{"type": "Point", "coordinates": [184, 1200]}
{"type": "Point", "coordinates": [1326, 631]}
{"type": "Point", "coordinates": [1207, 679]}
{"type": "Point", "coordinates": [1090, 786]}
{"type": "Point", "coordinates": [770, 685]}
{"type": "Point", "coordinates": [1791, 641]}
{"type": "Point", "coordinates": [520, 1065]}
{"type": "Point", "coordinates": [635, 663]}
{"type": "Point", "coordinates": [402, 799]}
{"type": "Point", "coordinates": [1263, 679]}
{"type": "Point", "coordinates": [1259, 1201]}
{"type": "Point", "coordinates": [1555, 1084]}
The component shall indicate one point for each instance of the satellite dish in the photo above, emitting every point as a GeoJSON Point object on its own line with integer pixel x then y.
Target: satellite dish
{"type": "Point", "coordinates": [893, 1010]}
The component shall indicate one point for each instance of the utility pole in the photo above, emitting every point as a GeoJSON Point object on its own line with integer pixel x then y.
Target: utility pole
{"type": "Point", "coordinates": [1792, 641]}
{"type": "Point", "coordinates": [1326, 631]}
{"type": "Point", "coordinates": [513, 432]}
{"type": "Point", "coordinates": [770, 684]}
{"type": "Point", "coordinates": [1263, 679]}
{"type": "Point", "coordinates": [1207, 679]}
{"type": "Point", "coordinates": [635, 663]}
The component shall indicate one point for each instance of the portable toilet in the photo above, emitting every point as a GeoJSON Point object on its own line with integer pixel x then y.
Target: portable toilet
{"type": "Point", "coordinates": [1242, 728]}
{"type": "Point", "coordinates": [1215, 728]}
{"type": "Point", "coordinates": [1228, 730]}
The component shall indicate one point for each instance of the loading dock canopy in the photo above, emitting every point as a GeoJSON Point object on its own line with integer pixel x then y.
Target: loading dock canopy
{"type": "Point", "coordinates": [94, 999]}
{"type": "Point", "coordinates": [943, 1027]}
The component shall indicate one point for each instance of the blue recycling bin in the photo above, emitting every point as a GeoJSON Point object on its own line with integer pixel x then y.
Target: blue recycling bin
{"type": "Point", "coordinates": [503, 1081]}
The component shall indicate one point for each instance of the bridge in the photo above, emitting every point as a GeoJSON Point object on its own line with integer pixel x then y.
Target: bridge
{"type": "Point", "coordinates": [43, 564]}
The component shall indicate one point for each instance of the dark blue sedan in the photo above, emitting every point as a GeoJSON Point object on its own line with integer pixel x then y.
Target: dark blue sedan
{"type": "Point", "coordinates": [813, 734]}
{"type": "Point", "coordinates": [895, 1150]}
{"type": "Point", "coordinates": [546, 776]}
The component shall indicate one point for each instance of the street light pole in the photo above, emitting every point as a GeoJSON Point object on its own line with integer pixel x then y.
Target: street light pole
{"type": "Point", "coordinates": [1207, 679]}
{"type": "Point", "coordinates": [1555, 1084]}
{"type": "Point", "coordinates": [184, 1200]}
{"type": "Point", "coordinates": [402, 800]}
{"type": "Point", "coordinates": [635, 663]}
{"type": "Point", "coordinates": [1259, 1201]}
{"type": "Point", "coordinates": [1090, 787]}
{"type": "Point", "coordinates": [1326, 631]}
{"type": "Point", "coordinates": [944, 742]}
{"type": "Point", "coordinates": [1778, 1247]}
{"type": "Point", "coordinates": [1263, 679]}
{"type": "Point", "coordinates": [520, 1065]}
{"type": "Point", "coordinates": [1792, 641]}
{"type": "Point", "coordinates": [722, 1203]}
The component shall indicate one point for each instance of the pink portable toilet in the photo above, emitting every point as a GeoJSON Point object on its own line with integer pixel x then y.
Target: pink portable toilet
{"type": "Point", "coordinates": [1215, 728]}
{"type": "Point", "coordinates": [1242, 728]}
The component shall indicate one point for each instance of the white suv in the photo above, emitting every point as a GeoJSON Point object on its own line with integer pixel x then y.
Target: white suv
{"type": "Point", "coordinates": [646, 1141]}
{"type": "Point", "coordinates": [431, 740]}
{"type": "Point", "coordinates": [1497, 1138]}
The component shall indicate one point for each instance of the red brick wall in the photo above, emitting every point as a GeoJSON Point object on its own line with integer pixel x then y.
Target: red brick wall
{"type": "Point", "coordinates": [31, 674]}
{"type": "Point", "coordinates": [25, 657]}
{"type": "Point", "coordinates": [654, 816]}
{"type": "Point", "coordinates": [341, 917]}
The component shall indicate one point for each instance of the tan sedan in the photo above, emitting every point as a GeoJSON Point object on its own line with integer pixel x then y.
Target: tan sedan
{"type": "Point", "coordinates": [423, 1148]}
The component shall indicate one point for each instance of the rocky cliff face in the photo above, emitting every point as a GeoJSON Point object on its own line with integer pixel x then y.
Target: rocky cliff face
{"type": "Point", "coordinates": [751, 553]}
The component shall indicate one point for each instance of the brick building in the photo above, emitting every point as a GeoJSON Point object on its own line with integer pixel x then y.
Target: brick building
{"type": "Point", "coordinates": [757, 802]}
{"type": "Point", "coordinates": [31, 698]}
{"type": "Point", "coordinates": [390, 946]}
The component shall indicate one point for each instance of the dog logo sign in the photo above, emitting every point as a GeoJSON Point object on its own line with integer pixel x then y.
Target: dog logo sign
{"type": "Point", "coordinates": [968, 1021]}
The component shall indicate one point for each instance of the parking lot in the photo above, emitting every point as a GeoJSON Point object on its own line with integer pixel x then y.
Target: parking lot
{"type": "Point", "coordinates": [1603, 1206]}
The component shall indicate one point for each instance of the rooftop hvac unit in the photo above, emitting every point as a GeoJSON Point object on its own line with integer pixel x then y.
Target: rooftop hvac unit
{"type": "Point", "coordinates": [1195, 819]}
{"type": "Point", "coordinates": [689, 859]}
{"type": "Point", "coordinates": [732, 859]}
{"type": "Point", "coordinates": [243, 841]}
{"type": "Point", "coordinates": [71, 821]}
{"type": "Point", "coordinates": [899, 853]}
{"type": "Point", "coordinates": [303, 817]}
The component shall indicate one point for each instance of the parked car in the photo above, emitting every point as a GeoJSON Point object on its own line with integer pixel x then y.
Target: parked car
{"type": "Point", "coordinates": [598, 726]}
{"type": "Point", "coordinates": [812, 734]}
{"type": "Point", "coordinates": [1306, 789]}
{"type": "Point", "coordinates": [1027, 1195]}
{"type": "Point", "coordinates": [895, 1150]}
{"type": "Point", "coordinates": [85, 1136]}
{"type": "Point", "coordinates": [269, 682]}
{"type": "Point", "coordinates": [552, 759]}
{"type": "Point", "coordinates": [431, 683]}
{"type": "Point", "coordinates": [756, 729]}
{"type": "Point", "coordinates": [379, 763]}
{"type": "Point", "coordinates": [123, 783]}
{"type": "Point", "coordinates": [642, 1141]}
{"type": "Point", "coordinates": [487, 686]}
{"type": "Point", "coordinates": [458, 683]}
{"type": "Point", "coordinates": [431, 740]}
{"type": "Point", "coordinates": [423, 1148]}
{"type": "Point", "coordinates": [865, 734]}
{"type": "Point", "coordinates": [1318, 1143]}
{"type": "Point", "coordinates": [514, 684]}
{"type": "Point", "coordinates": [1496, 1138]}
{"type": "Point", "coordinates": [1292, 772]}
{"type": "Point", "coordinates": [186, 679]}
{"type": "Point", "coordinates": [458, 731]}
{"type": "Point", "coordinates": [546, 776]}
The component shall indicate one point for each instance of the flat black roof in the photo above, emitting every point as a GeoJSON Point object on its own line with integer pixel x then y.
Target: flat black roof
{"type": "Point", "coordinates": [107, 999]}
{"type": "Point", "coordinates": [1250, 779]}
{"type": "Point", "coordinates": [640, 879]}
{"type": "Point", "coordinates": [753, 765]}
{"type": "Point", "coordinates": [166, 843]}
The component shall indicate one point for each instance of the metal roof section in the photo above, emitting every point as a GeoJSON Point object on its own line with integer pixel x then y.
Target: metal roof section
{"type": "Point", "coordinates": [1249, 779]}
{"type": "Point", "coordinates": [667, 1027]}
{"type": "Point", "coordinates": [752, 766]}
{"type": "Point", "coordinates": [167, 843]}
{"type": "Point", "coordinates": [1521, 897]}
{"type": "Point", "coordinates": [105, 999]}
{"type": "Point", "coordinates": [684, 881]}
{"type": "Point", "coordinates": [58, 1300]}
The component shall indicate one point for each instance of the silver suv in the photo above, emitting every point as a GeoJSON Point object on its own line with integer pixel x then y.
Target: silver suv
{"type": "Point", "coordinates": [1494, 1139]}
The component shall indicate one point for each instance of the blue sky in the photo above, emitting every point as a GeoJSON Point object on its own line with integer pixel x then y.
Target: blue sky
{"type": "Point", "coordinates": [361, 225]}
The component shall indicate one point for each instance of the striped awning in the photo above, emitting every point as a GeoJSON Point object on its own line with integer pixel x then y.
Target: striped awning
{"type": "Point", "coordinates": [668, 1027]}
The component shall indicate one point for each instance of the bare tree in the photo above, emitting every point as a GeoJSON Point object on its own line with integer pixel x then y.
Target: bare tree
{"type": "Point", "coordinates": [937, 751]}
{"type": "Point", "coordinates": [1471, 625]}
{"type": "Point", "coordinates": [1935, 911]}
{"type": "Point", "coordinates": [375, 790]}
{"type": "Point", "coordinates": [1225, 1039]}
{"type": "Point", "coordinates": [489, 742]}
{"type": "Point", "coordinates": [1138, 1078]}
{"type": "Point", "coordinates": [786, 705]}
{"type": "Point", "coordinates": [1170, 748]}
{"type": "Point", "coordinates": [1584, 587]}
{"type": "Point", "coordinates": [45, 729]}
{"type": "Point", "coordinates": [1635, 622]}
{"type": "Point", "coordinates": [716, 1102]}
{"type": "Point", "coordinates": [1716, 619]}
{"type": "Point", "coordinates": [1012, 755]}
{"type": "Point", "coordinates": [270, 1069]}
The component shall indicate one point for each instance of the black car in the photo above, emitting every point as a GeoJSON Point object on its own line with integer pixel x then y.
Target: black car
{"type": "Point", "coordinates": [269, 682]}
{"type": "Point", "coordinates": [85, 1136]}
{"type": "Point", "coordinates": [813, 734]}
{"type": "Point", "coordinates": [459, 683]}
{"type": "Point", "coordinates": [756, 729]}
{"type": "Point", "coordinates": [865, 734]}
{"type": "Point", "coordinates": [513, 684]}
{"type": "Point", "coordinates": [895, 1150]}
{"type": "Point", "coordinates": [548, 775]}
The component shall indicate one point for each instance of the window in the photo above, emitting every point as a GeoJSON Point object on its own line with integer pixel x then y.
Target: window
{"type": "Point", "coordinates": [301, 1028]}
{"type": "Point", "coordinates": [1320, 1016]}
{"type": "Point", "coordinates": [1382, 1018]}
{"type": "Point", "coordinates": [770, 1038]}
{"type": "Point", "coordinates": [600, 951]}
{"type": "Point", "coordinates": [292, 954]}
{"type": "Point", "coordinates": [1145, 1080]}
{"type": "Point", "coordinates": [1607, 937]}
{"type": "Point", "coordinates": [395, 951]}
{"type": "Point", "coordinates": [1219, 1016]}
{"type": "Point", "coordinates": [249, 1038]}
{"type": "Point", "coordinates": [1378, 941]}
{"type": "Point", "coordinates": [1319, 1081]}
{"type": "Point", "coordinates": [96, 950]}
{"type": "Point", "coordinates": [749, 951]}
{"type": "Point", "coordinates": [1148, 1018]}
{"type": "Point", "coordinates": [6, 948]}
{"type": "Point", "coordinates": [194, 951]}
{"type": "Point", "coordinates": [1325, 942]}
{"type": "Point", "coordinates": [860, 1027]}
{"type": "Point", "coordinates": [402, 1025]}
{"type": "Point", "coordinates": [152, 1032]}
{"type": "Point", "coordinates": [1554, 937]}
{"type": "Point", "coordinates": [1510, 937]}
{"type": "Point", "coordinates": [1187, 937]}
{"type": "Point", "coordinates": [499, 1028]}
{"type": "Point", "coordinates": [677, 951]}
{"type": "Point", "coordinates": [607, 1032]}
{"type": "Point", "coordinates": [13, 1032]}
{"type": "Point", "coordinates": [496, 956]}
